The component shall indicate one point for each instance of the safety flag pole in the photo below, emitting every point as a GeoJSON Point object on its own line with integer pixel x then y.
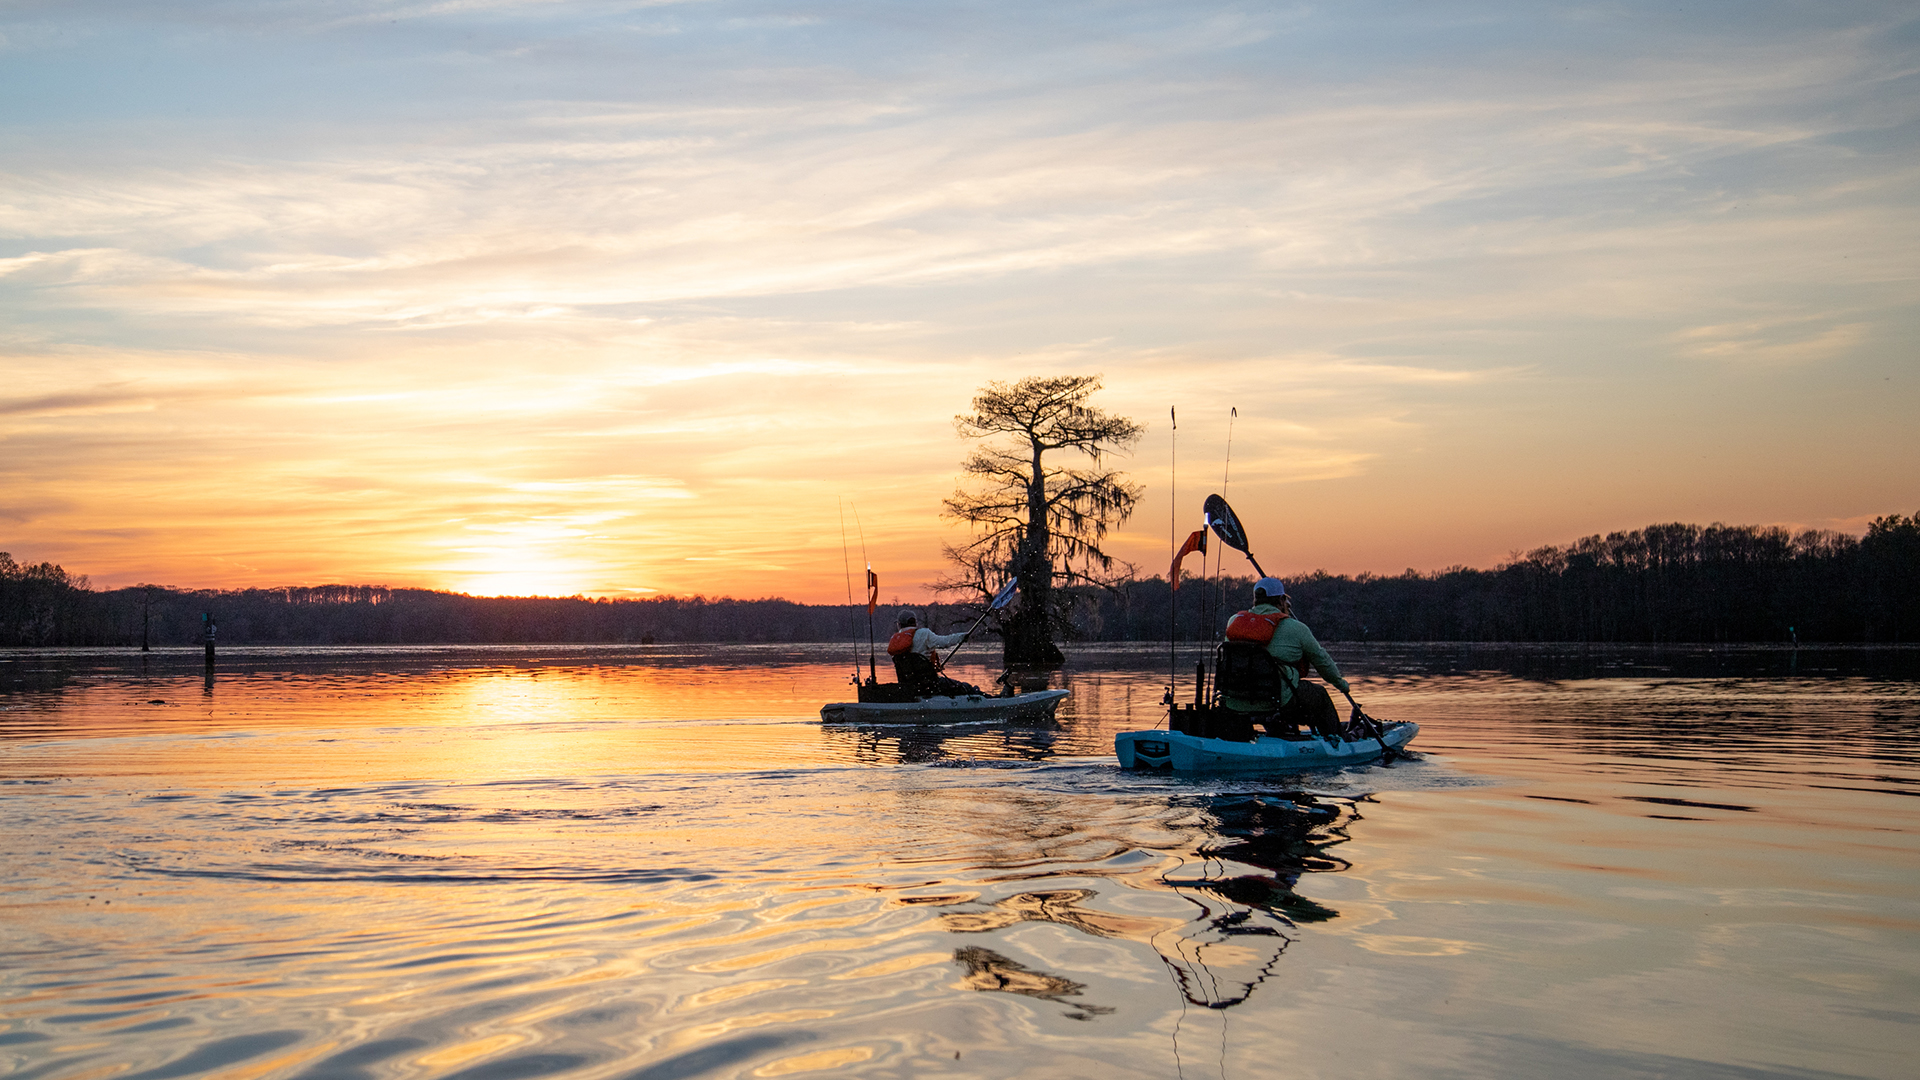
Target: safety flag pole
{"type": "Point", "coordinates": [873, 599]}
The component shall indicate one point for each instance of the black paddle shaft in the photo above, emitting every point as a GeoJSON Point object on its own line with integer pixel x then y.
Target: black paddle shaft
{"type": "Point", "coordinates": [962, 643]}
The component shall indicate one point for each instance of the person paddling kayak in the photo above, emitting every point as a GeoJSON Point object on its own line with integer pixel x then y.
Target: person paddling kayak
{"type": "Point", "coordinates": [1264, 661]}
{"type": "Point", "coordinates": [916, 661]}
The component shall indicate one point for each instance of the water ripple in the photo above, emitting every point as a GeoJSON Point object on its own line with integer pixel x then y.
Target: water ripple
{"type": "Point", "coordinates": [326, 874]}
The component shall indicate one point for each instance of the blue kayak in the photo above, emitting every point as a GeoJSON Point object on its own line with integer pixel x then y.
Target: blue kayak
{"type": "Point", "coordinates": [1162, 749]}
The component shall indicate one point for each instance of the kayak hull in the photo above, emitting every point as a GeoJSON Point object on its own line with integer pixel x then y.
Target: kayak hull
{"type": "Point", "coordinates": [1162, 749]}
{"type": "Point", "coordinates": [969, 708]}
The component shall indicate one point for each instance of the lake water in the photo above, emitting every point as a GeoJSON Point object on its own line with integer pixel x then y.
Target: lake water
{"type": "Point", "coordinates": [653, 863]}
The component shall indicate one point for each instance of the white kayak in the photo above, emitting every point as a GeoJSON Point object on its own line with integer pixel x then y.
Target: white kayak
{"type": "Point", "coordinates": [1038, 705]}
{"type": "Point", "coordinates": [1162, 749]}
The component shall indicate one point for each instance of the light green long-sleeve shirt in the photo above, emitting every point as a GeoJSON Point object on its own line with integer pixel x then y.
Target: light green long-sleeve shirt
{"type": "Point", "coordinates": [1291, 641]}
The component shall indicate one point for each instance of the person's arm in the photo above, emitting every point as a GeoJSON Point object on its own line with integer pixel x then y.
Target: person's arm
{"type": "Point", "coordinates": [941, 641]}
{"type": "Point", "coordinates": [1310, 646]}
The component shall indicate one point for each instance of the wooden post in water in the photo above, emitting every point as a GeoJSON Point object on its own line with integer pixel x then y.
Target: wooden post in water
{"type": "Point", "coordinates": [206, 618]}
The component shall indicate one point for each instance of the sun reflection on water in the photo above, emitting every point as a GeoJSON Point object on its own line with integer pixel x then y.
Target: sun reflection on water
{"type": "Point", "coordinates": [660, 864]}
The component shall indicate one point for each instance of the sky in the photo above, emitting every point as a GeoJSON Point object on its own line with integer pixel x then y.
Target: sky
{"type": "Point", "coordinates": [631, 299]}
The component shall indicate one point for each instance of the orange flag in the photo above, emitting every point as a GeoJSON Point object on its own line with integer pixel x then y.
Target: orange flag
{"type": "Point", "coordinates": [1196, 542]}
{"type": "Point", "coordinates": [873, 591]}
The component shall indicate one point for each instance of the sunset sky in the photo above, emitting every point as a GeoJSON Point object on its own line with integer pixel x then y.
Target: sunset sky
{"type": "Point", "coordinates": [622, 298]}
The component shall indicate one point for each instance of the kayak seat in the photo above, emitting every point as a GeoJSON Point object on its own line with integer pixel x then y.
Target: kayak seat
{"type": "Point", "coordinates": [1212, 722]}
{"type": "Point", "coordinates": [917, 674]}
{"type": "Point", "coordinates": [1245, 670]}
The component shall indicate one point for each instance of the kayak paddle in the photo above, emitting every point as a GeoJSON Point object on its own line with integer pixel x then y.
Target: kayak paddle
{"type": "Point", "coordinates": [1000, 599]}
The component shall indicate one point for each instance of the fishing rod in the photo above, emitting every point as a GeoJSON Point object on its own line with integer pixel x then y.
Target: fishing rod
{"type": "Point", "coordinates": [1219, 592]}
{"type": "Point", "coordinates": [873, 594]}
{"type": "Point", "coordinates": [1233, 413]}
{"type": "Point", "coordinates": [1173, 535]}
{"type": "Point", "coordinates": [846, 565]}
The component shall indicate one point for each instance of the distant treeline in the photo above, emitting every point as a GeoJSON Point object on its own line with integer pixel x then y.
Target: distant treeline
{"type": "Point", "coordinates": [1664, 583]}
{"type": "Point", "coordinates": [42, 605]}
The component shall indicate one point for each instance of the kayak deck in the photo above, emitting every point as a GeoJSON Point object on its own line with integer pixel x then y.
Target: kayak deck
{"type": "Point", "coordinates": [1038, 705]}
{"type": "Point", "coordinates": [1162, 749]}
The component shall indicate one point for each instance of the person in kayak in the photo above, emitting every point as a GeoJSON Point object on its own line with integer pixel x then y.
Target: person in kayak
{"type": "Point", "coordinates": [916, 660]}
{"type": "Point", "coordinates": [1264, 661]}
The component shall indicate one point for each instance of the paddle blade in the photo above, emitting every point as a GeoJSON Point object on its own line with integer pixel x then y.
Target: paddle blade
{"type": "Point", "coordinates": [1226, 525]}
{"type": "Point", "coordinates": [1004, 596]}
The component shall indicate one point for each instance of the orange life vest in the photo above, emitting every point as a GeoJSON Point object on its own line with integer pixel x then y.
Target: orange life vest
{"type": "Point", "coordinates": [1253, 626]}
{"type": "Point", "coordinates": [901, 643]}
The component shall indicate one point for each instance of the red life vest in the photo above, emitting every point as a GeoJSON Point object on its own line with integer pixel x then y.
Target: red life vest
{"type": "Point", "coordinates": [901, 643]}
{"type": "Point", "coordinates": [1253, 626]}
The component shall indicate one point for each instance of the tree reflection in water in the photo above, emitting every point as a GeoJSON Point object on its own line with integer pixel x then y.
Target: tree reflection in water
{"type": "Point", "coordinates": [988, 970]}
{"type": "Point", "coordinates": [1245, 920]}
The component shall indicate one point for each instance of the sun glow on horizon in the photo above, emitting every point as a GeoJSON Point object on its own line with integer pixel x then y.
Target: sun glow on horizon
{"type": "Point", "coordinates": [615, 314]}
{"type": "Point", "coordinates": [528, 583]}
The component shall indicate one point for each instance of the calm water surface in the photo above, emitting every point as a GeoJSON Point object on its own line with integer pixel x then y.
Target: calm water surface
{"type": "Point", "coordinates": [656, 863]}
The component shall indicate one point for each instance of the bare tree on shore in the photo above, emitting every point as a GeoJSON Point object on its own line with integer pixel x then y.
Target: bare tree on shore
{"type": "Point", "coordinates": [1041, 523]}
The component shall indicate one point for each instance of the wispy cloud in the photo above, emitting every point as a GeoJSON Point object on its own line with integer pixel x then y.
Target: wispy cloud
{"type": "Point", "coordinates": [409, 289]}
{"type": "Point", "coordinates": [1773, 341]}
